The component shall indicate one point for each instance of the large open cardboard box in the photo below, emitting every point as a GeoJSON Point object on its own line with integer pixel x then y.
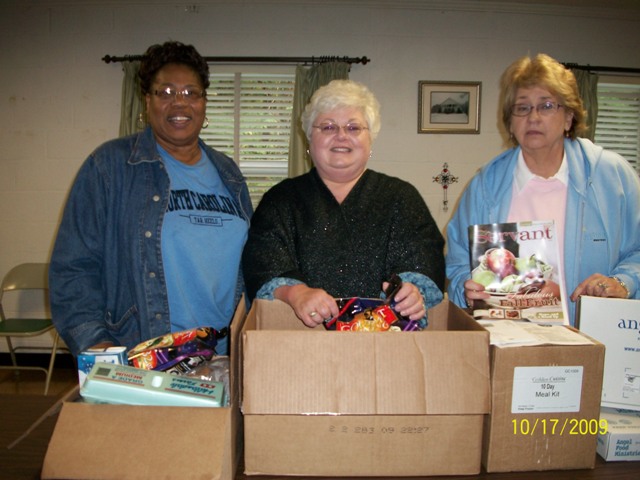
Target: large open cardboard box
{"type": "Point", "coordinates": [319, 402]}
{"type": "Point", "coordinates": [545, 407]}
{"type": "Point", "coordinates": [132, 442]}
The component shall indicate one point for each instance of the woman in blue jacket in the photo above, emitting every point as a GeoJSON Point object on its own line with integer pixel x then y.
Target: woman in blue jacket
{"type": "Point", "coordinates": [153, 230]}
{"type": "Point", "coordinates": [592, 194]}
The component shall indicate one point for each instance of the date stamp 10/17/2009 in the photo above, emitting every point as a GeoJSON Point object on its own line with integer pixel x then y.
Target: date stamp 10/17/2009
{"type": "Point", "coordinates": [559, 426]}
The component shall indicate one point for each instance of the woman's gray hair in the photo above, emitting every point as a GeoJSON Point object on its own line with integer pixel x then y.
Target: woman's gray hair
{"type": "Point", "coordinates": [342, 94]}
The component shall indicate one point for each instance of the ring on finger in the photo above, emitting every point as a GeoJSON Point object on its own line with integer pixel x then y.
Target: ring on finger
{"type": "Point", "coordinates": [313, 314]}
{"type": "Point", "coordinates": [602, 285]}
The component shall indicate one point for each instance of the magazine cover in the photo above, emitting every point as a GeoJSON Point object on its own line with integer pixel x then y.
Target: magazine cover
{"type": "Point", "coordinates": [518, 264]}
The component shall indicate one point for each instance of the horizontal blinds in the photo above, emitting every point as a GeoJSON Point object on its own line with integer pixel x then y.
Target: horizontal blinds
{"type": "Point", "coordinates": [249, 120]}
{"type": "Point", "coordinates": [618, 124]}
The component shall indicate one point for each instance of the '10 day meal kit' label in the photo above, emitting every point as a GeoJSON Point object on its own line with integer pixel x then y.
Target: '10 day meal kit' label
{"type": "Point", "coordinates": [546, 389]}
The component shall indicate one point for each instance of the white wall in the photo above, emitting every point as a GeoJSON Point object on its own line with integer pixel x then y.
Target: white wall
{"type": "Point", "coordinates": [59, 100]}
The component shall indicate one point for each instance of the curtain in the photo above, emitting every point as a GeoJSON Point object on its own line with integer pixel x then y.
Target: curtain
{"type": "Point", "coordinates": [132, 118]}
{"type": "Point", "coordinates": [588, 88]}
{"type": "Point", "coordinates": [308, 80]}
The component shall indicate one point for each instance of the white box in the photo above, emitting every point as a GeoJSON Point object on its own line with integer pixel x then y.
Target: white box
{"type": "Point", "coordinates": [88, 358]}
{"type": "Point", "coordinates": [622, 438]}
{"type": "Point", "coordinates": [615, 322]}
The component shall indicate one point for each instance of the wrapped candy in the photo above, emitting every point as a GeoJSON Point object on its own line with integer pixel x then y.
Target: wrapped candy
{"type": "Point", "coordinates": [176, 352]}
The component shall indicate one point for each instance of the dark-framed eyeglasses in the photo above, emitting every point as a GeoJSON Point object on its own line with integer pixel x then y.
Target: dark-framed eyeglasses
{"type": "Point", "coordinates": [190, 94]}
{"type": "Point", "coordinates": [544, 109]}
{"type": "Point", "coordinates": [329, 129]}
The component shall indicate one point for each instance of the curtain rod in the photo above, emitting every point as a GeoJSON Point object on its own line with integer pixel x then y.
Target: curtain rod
{"type": "Point", "coordinates": [281, 60]}
{"type": "Point", "coordinates": [593, 68]}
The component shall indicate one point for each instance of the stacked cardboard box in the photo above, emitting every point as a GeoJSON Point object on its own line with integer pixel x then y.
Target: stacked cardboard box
{"type": "Point", "coordinates": [134, 442]}
{"type": "Point", "coordinates": [619, 437]}
{"type": "Point", "coordinates": [545, 407]}
{"type": "Point", "coordinates": [615, 322]}
{"type": "Point", "coordinates": [319, 402]}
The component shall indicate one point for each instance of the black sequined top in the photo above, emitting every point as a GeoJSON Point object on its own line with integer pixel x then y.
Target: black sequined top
{"type": "Point", "coordinates": [300, 231]}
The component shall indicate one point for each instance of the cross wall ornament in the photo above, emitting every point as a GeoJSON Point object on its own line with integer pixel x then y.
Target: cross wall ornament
{"type": "Point", "coordinates": [445, 179]}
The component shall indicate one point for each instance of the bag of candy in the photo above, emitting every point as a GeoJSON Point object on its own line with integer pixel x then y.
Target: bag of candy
{"type": "Point", "coordinates": [176, 352]}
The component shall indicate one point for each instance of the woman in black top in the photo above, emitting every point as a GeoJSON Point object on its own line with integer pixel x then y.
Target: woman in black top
{"type": "Point", "coordinates": [342, 230]}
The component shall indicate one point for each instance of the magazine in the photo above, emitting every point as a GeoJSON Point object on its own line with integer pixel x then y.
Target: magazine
{"type": "Point", "coordinates": [518, 264]}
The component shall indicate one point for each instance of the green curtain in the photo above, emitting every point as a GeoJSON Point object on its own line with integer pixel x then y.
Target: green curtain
{"type": "Point", "coordinates": [588, 88]}
{"type": "Point", "coordinates": [308, 80]}
{"type": "Point", "coordinates": [132, 118]}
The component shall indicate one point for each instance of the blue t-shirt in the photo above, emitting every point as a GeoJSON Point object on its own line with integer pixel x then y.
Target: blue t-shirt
{"type": "Point", "coordinates": [203, 235]}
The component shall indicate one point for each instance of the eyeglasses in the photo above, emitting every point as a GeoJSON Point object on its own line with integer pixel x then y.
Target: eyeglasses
{"type": "Point", "coordinates": [188, 94]}
{"type": "Point", "coordinates": [329, 129]}
{"type": "Point", "coordinates": [544, 109]}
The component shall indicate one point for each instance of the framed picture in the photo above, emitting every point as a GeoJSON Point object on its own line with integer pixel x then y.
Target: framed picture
{"type": "Point", "coordinates": [448, 107]}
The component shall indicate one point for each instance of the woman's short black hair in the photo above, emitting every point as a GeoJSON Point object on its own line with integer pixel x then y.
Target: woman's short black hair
{"type": "Point", "coordinates": [157, 56]}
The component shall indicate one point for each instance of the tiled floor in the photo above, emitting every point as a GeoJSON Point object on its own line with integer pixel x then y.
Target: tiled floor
{"type": "Point", "coordinates": [27, 382]}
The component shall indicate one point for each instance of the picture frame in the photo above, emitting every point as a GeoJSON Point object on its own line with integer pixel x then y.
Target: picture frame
{"type": "Point", "coordinates": [449, 107]}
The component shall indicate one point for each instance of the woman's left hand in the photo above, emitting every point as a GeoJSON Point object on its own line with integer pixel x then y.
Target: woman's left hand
{"type": "Point", "coordinates": [409, 301]}
{"type": "Point", "coordinates": [598, 285]}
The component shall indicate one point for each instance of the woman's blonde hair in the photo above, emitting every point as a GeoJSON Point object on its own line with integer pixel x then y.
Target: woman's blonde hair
{"type": "Point", "coordinates": [342, 94]}
{"type": "Point", "coordinates": [545, 72]}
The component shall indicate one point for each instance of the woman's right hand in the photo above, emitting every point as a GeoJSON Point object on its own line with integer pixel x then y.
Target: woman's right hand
{"type": "Point", "coordinates": [311, 305]}
{"type": "Point", "coordinates": [474, 291]}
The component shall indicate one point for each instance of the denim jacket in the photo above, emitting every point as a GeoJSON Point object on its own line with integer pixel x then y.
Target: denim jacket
{"type": "Point", "coordinates": [106, 274]}
{"type": "Point", "coordinates": [602, 226]}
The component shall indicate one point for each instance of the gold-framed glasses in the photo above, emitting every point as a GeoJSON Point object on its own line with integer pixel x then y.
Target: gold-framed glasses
{"type": "Point", "coordinates": [190, 94]}
{"type": "Point", "coordinates": [329, 129]}
{"type": "Point", "coordinates": [545, 109]}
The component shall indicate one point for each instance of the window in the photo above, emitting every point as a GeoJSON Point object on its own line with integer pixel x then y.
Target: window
{"type": "Point", "coordinates": [618, 125]}
{"type": "Point", "coordinates": [250, 120]}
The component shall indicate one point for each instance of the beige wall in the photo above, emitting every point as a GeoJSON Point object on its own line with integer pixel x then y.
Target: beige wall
{"type": "Point", "coordinates": [59, 100]}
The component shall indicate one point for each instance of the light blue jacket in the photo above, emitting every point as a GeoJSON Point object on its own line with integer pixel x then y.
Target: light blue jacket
{"type": "Point", "coordinates": [106, 277]}
{"type": "Point", "coordinates": [602, 226]}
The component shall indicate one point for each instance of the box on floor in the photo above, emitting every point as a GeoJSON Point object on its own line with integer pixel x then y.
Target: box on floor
{"type": "Point", "coordinates": [545, 407]}
{"type": "Point", "coordinates": [619, 436]}
{"type": "Point", "coordinates": [319, 402]}
{"type": "Point", "coordinates": [92, 441]}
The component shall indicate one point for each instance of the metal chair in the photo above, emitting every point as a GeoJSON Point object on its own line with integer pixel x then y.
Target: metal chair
{"type": "Point", "coordinates": [27, 276]}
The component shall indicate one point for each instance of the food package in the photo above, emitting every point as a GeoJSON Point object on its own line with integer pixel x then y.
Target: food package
{"type": "Point", "coordinates": [176, 352]}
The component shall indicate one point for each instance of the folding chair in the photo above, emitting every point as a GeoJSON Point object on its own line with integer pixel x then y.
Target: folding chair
{"type": "Point", "coordinates": [27, 276]}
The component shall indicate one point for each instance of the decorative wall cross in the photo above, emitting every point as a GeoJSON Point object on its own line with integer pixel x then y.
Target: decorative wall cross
{"type": "Point", "coordinates": [445, 179]}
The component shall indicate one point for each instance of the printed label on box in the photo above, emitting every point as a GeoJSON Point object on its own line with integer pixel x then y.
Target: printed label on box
{"type": "Point", "coordinates": [546, 389]}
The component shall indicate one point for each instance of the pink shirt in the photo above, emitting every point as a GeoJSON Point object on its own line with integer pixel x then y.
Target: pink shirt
{"type": "Point", "coordinates": [537, 198]}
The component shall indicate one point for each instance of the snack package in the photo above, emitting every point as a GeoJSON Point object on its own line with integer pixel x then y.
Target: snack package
{"type": "Point", "coordinates": [368, 315]}
{"type": "Point", "coordinates": [371, 314]}
{"type": "Point", "coordinates": [214, 370]}
{"type": "Point", "coordinates": [176, 352]}
{"type": "Point", "coordinates": [376, 319]}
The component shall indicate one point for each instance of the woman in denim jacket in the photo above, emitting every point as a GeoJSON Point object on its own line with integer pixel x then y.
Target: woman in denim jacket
{"type": "Point", "coordinates": [151, 237]}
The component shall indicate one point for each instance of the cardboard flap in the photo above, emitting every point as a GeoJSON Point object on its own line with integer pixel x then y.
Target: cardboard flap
{"type": "Point", "coordinates": [138, 442]}
{"type": "Point", "coordinates": [320, 372]}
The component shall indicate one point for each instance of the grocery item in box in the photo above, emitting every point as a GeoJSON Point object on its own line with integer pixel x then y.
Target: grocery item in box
{"type": "Point", "coordinates": [87, 358]}
{"type": "Point", "coordinates": [122, 384]}
{"type": "Point", "coordinates": [176, 352]}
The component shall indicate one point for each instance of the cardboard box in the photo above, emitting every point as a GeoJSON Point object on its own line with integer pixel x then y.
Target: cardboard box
{"type": "Point", "coordinates": [619, 437]}
{"type": "Point", "coordinates": [319, 402]}
{"type": "Point", "coordinates": [132, 442]}
{"type": "Point", "coordinates": [545, 407]}
{"type": "Point", "coordinates": [615, 322]}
